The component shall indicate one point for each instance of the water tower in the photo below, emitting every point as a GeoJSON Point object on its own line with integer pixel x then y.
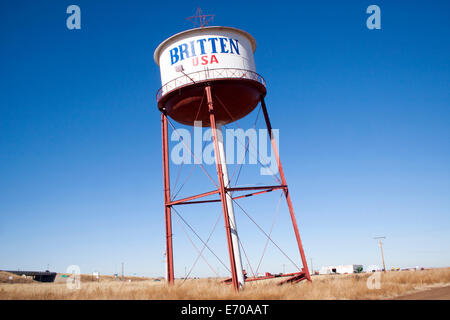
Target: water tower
{"type": "Point", "coordinates": [209, 75]}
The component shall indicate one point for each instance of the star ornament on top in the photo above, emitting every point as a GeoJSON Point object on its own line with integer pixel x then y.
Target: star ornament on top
{"type": "Point", "coordinates": [199, 19]}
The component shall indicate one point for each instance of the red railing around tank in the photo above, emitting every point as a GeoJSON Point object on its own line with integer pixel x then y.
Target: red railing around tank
{"type": "Point", "coordinates": [210, 74]}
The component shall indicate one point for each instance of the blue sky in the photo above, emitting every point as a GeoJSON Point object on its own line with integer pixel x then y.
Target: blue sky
{"type": "Point", "coordinates": [364, 120]}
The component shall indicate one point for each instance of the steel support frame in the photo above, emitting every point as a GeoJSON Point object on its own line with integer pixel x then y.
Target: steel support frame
{"type": "Point", "coordinates": [286, 191]}
{"type": "Point", "coordinates": [188, 199]}
{"type": "Point", "coordinates": [167, 205]}
{"type": "Point", "coordinates": [222, 190]}
{"type": "Point", "coordinates": [271, 276]}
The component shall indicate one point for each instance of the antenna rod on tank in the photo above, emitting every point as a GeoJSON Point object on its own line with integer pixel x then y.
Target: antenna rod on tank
{"type": "Point", "coordinates": [180, 68]}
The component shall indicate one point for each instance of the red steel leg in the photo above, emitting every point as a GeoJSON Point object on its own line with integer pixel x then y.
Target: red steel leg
{"type": "Point", "coordinates": [222, 188]}
{"type": "Point", "coordinates": [167, 206]}
{"type": "Point", "coordinates": [286, 191]}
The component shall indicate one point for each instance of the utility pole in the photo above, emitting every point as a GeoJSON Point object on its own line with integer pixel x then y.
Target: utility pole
{"type": "Point", "coordinates": [122, 271]}
{"type": "Point", "coordinates": [380, 239]}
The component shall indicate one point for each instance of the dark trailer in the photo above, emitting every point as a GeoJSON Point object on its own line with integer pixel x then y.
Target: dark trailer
{"type": "Point", "coordinates": [41, 276]}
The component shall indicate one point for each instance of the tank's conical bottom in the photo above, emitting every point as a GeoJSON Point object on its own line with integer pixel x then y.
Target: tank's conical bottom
{"type": "Point", "coordinates": [233, 100]}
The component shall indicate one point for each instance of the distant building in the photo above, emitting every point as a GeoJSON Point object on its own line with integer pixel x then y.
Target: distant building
{"type": "Point", "coordinates": [373, 268]}
{"type": "Point", "coordinates": [343, 269]}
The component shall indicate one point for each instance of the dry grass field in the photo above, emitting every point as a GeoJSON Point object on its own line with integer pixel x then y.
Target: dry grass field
{"type": "Point", "coordinates": [330, 287]}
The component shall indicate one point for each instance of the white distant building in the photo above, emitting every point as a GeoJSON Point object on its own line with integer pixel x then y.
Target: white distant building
{"type": "Point", "coordinates": [373, 268]}
{"type": "Point", "coordinates": [343, 269]}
